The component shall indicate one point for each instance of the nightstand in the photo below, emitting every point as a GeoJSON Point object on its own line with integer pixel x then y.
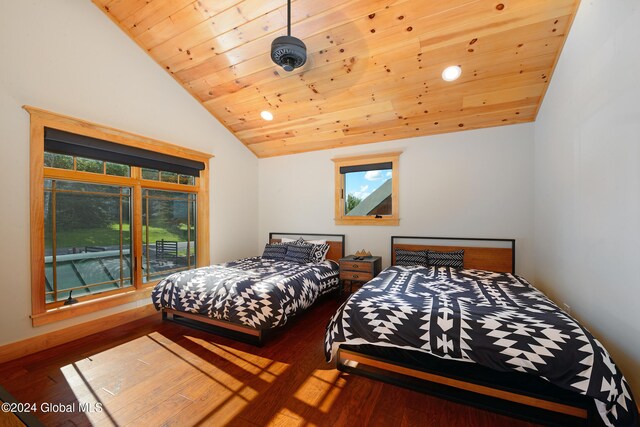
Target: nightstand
{"type": "Point", "coordinates": [360, 271]}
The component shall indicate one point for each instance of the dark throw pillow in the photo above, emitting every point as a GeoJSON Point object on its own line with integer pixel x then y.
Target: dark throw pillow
{"type": "Point", "coordinates": [274, 251]}
{"type": "Point", "coordinates": [408, 258]}
{"type": "Point", "coordinates": [298, 253]}
{"type": "Point", "coordinates": [453, 259]}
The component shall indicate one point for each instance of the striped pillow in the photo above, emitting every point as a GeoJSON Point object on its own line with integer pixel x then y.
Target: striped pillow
{"type": "Point", "coordinates": [453, 259]}
{"type": "Point", "coordinates": [274, 251]}
{"type": "Point", "coordinates": [409, 258]}
{"type": "Point", "coordinates": [298, 253]}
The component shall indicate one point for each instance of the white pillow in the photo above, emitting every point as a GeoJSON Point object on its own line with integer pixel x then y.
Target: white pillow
{"type": "Point", "coordinates": [316, 242]}
{"type": "Point", "coordinates": [311, 242]}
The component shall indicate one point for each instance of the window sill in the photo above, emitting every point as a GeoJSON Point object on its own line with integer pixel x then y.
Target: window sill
{"type": "Point", "coordinates": [367, 221]}
{"type": "Point", "coordinates": [81, 308]}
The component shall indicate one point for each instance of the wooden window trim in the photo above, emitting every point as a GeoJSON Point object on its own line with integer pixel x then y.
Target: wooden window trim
{"type": "Point", "coordinates": [39, 119]}
{"type": "Point", "coordinates": [391, 220]}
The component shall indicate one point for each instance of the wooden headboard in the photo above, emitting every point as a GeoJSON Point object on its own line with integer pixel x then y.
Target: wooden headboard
{"type": "Point", "coordinates": [335, 241]}
{"type": "Point", "coordinates": [490, 254]}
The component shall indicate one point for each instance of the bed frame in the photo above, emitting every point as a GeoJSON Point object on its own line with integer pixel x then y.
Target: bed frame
{"type": "Point", "coordinates": [241, 332]}
{"type": "Point", "coordinates": [518, 395]}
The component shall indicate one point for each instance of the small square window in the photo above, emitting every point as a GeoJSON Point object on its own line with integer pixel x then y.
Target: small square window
{"type": "Point", "coordinates": [367, 190]}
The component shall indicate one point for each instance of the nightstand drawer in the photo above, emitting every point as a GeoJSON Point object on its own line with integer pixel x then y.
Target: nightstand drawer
{"type": "Point", "coordinates": [363, 276]}
{"type": "Point", "coordinates": [355, 266]}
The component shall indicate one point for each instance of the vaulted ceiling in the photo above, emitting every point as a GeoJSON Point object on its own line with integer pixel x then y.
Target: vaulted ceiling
{"type": "Point", "coordinates": [374, 67]}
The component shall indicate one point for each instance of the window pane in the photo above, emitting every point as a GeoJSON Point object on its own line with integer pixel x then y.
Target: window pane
{"type": "Point", "coordinates": [168, 176]}
{"type": "Point", "coordinates": [118, 169]}
{"type": "Point", "coordinates": [368, 193]}
{"type": "Point", "coordinates": [48, 241]}
{"type": "Point", "coordinates": [60, 161]}
{"type": "Point", "coordinates": [89, 165]}
{"type": "Point", "coordinates": [187, 180]}
{"type": "Point", "coordinates": [88, 228]}
{"type": "Point", "coordinates": [168, 232]}
{"type": "Point", "coordinates": [151, 174]}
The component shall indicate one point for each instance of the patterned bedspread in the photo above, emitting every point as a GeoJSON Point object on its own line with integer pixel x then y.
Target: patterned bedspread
{"type": "Point", "coordinates": [494, 319]}
{"type": "Point", "coordinates": [256, 292]}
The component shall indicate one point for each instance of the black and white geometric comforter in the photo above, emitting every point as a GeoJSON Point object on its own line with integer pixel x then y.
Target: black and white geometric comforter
{"type": "Point", "coordinates": [497, 320]}
{"type": "Point", "coordinates": [255, 292]}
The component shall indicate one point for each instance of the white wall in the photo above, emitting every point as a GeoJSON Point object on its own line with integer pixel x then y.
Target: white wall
{"type": "Point", "coordinates": [66, 56]}
{"type": "Point", "coordinates": [587, 179]}
{"type": "Point", "coordinates": [465, 184]}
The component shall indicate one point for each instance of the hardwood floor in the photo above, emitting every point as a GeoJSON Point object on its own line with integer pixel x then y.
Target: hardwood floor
{"type": "Point", "coordinates": [153, 373]}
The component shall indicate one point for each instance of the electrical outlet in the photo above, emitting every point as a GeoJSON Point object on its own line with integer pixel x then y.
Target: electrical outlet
{"type": "Point", "coordinates": [567, 308]}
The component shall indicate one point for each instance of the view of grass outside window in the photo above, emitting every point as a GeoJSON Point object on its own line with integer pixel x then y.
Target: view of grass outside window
{"type": "Point", "coordinates": [87, 238]}
{"type": "Point", "coordinates": [168, 232]}
{"type": "Point", "coordinates": [368, 193]}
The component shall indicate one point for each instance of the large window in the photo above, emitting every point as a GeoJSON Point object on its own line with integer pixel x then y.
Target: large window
{"type": "Point", "coordinates": [87, 239]}
{"type": "Point", "coordinates": [168, 232]}
{"type": "Point", "coordinates": [367, 190]}
{"type": "Point", "coordinates": [111, 214]}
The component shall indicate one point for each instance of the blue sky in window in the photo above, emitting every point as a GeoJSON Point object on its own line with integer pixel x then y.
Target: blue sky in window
{"type": "Point", "coordinates": [361, 184]}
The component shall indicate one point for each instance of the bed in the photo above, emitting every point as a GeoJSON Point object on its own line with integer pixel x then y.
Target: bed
{"type": "Point", "coordinates": [468, 329]}
{"type": "Point", "coordinates": [246, 298]}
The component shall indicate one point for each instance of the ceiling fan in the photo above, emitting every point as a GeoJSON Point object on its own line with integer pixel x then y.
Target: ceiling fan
{"type": "Point", "coordinates": [287, 51]}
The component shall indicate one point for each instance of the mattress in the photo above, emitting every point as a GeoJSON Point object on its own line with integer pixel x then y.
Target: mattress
{"type": "Point", "coordinates": [497, 320]}
{"type": "Point", "coordinates": [254, 292]}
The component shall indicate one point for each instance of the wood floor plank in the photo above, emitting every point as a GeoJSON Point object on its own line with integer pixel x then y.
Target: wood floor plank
{"type": "Point", "coordinates": [152, 373]}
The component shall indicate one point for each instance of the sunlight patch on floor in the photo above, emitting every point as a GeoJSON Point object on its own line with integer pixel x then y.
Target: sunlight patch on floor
{"type": "Point", "coordinates": [321, 389]}
{"type": "Point", "coordinates": [154, 378]}
{"type": "Point", "coordinates": [267, 370]}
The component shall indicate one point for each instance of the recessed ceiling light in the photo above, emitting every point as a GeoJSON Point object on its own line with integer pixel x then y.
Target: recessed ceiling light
{"type": "Point", "coordinates": [451, 73]}
{"type": "Point", "coordinates": [266, 115]}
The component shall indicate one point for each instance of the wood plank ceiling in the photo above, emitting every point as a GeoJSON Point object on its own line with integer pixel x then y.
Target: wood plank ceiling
{"type": "Point", "coordinates": [374, 67]}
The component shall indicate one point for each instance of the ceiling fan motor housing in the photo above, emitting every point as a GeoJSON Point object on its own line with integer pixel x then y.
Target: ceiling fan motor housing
{"type": "Point", "coordinates": [289, 52]}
